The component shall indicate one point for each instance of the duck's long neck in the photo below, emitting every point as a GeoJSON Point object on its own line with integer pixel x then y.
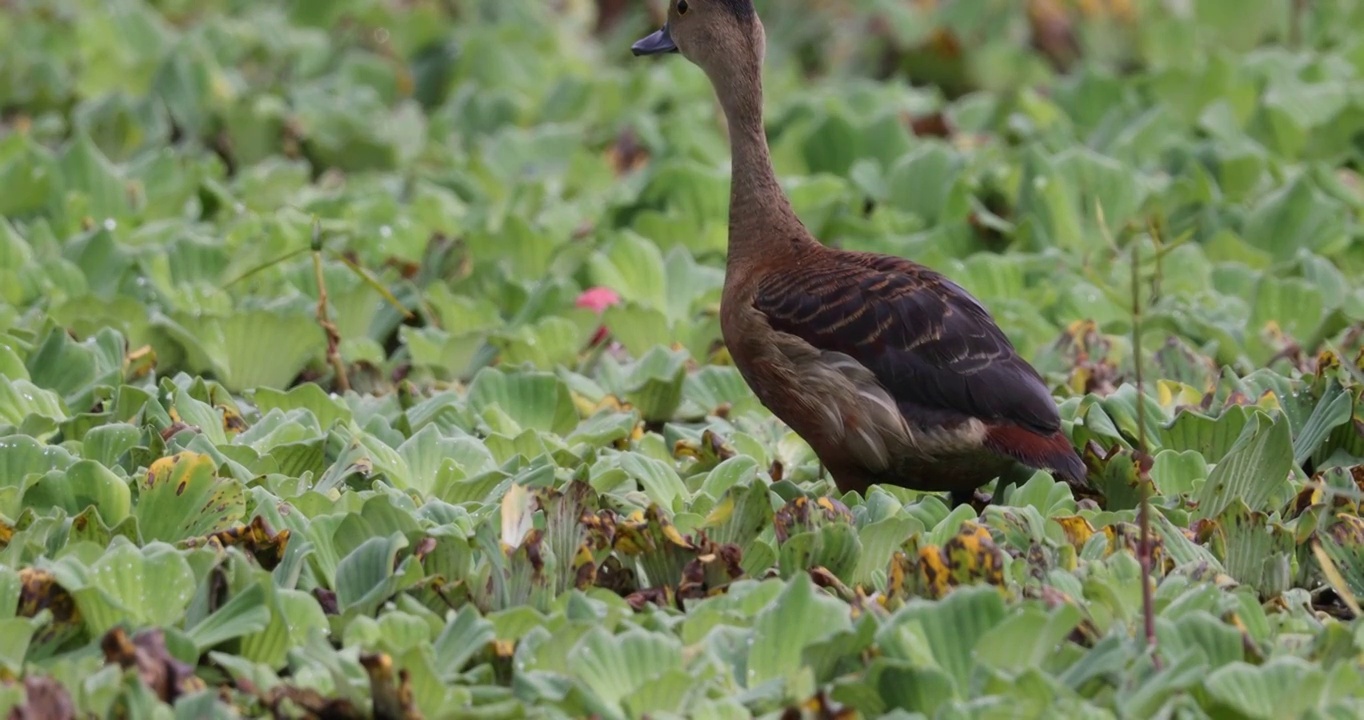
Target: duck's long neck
{"type": "Point", "coordinates": [759, 211]}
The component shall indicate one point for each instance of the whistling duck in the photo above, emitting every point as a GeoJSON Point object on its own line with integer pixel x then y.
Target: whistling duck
{"type": "Point", "coordinates": [891, 372]}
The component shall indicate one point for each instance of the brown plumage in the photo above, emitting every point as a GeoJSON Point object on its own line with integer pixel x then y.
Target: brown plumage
{"type": "Point", "coordinates": [893, 373]}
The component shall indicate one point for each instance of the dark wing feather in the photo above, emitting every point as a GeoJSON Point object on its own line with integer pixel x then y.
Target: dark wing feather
{"type": "Point", "coordinates": [931, 344]}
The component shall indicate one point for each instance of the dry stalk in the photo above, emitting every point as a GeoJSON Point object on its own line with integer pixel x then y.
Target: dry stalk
{"type": "Point", "coordinates": [328, 327]}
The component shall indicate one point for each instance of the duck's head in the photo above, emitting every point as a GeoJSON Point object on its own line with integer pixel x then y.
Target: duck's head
{"type": "Point", "coordinates": [717, 35]}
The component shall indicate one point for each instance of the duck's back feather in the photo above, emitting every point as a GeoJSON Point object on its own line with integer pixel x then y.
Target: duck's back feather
{"type": "Point", "coordinates": [932, 346]}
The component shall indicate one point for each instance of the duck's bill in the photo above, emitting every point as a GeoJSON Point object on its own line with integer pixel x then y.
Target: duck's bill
{"type": "Point", "coordinates": [655, 44]}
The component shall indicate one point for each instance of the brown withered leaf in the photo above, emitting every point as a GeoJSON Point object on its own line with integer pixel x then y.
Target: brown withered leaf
{"type": "Point", "coordinates": [973, 556]}
{"type": "Point", "coordinates": [611, 575]}
{"type": "Point", "coordinates": [160, 671]}
{"type": "Point", "coordinates": [532, 547]}
{"type": "Point", "coordinates": [175, 428]}
{"type": "Point", "coordinates": [819, 707]}
{"type": "Point", "coordinates": [593, 564]}
{"type": "Point", "coordinates": [326, 599]}
{"type": "Point", "coordinates": [311, 702]}
{"type": "Point", "coordinates": [573, 532]}
{"type": "Point", "coordinates": [651, 539]}
{"type": "Point", "coordinates": [827, 580]}
{"type": "Point", "coordinates": [660, 596]}
{"type": "Point", "coordinates": [711, 571]}
{"type": "Point", "coordinates": [708, 451]}
{"type": "Point", "coordinates": [138, 363]}
{"type": "Point", "coordinates": [1200, 531]}
{"type": "Point", "coordinates": [232, 421]}
{"type": "Point", "coordinates": [601, 530]}
{"type": "Point", "coordinates": [425, 546]}
{"type": "Point", "coordinates": [392, 700]}
{"type": "Point", "coordinates": [801, 514]}
{"type": "Point", "coordinates": [1311, 496]}
{"type": "Point", "coordinates": [1127, 537]}
{"type": "Point", "coordinates": [898, 577]}
{"type": "Point", "coordinates": [45, 699]}
{"type": "Point", "coordinates": [626, 155]}
{"type": "Point", "coordinates": [1203, 571]}
{"type": "Point", "coordinates": [934, 124]}
{"type": "Point", "coordinates": [1347, 530]}
{"type": "Point", "coordinates": [1357, 476]}
{"type": "Point", "coordinates": [1089, 353]}
{"type": "Point", "coordinates": [39, 591]}
{"type": "Point", "coordinates": [931, 575]}
{"type": "Point", "coordinates": [969, 557]}
{"type": "Point", "coordinates": [584, 568]}
{"type": "Point", "coordinates": [256, 539]}
{"type": "Point", "coordinates": [1086, 633]}
{"type": "Point", "coordinates": [1078, 530]}
{"type": "Point", "coordinates": [1053, 33]}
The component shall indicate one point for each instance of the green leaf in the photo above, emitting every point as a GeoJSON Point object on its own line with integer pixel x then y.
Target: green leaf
{"type": "Point", "coordinates": [1257, 552]}
{"type": "Point", "coordinates": [463, 637]}
{"type": "Point", "coordinates": [946, 633]}
{"type": "Point", "coordinates": [84, 484]}
{"type": "Point", "coordinates": [1298, 215]}
{"type": "Point", "coordinates": [151, 585]}
{"type": "Point", "coordinates": [294, 614]}
{"type": "Point", "coordinates": [654, 383]}
{"type": "Point", "coordinates": [21, 399]}
{"type": "Point", "coordinates": [106, 444]}
{"type": "Point", "coordinates": [1333, 409]}
{"type": "Point", "coordinates": [245, 613]}
{"type": "Point", "coordinates": [1175, 473]}
{"type": "Point", "coordinates": [659, 479]}
{"type": "Point", "coordinates": [1255, 470]}
{"type": "Point", "coordinates": [305, 396]}
{"type": "Point", "coordinates": [880, 540]}
{"type": "Point", "coordinates": [921, 180]}
{"type": "Point", "coordinates": [633, 267]}
{"type": "Point", "coordinates": [538, 401]}
{"type": "Point", "coordinates": [801, 615]}
{"type": "Point", "coordinates": [366, 576]}
{"type": "Point", "coordinates": [74, 369]}
{"type": "Point", "coordinates": [1284, 686]}
{"type": "Point", "coordinates": [1027, 638]}
{"type": "Point", "coordinates": [614, 666]}
{"type": "Point", "coordinates": [86, 170]}
{"type": "Point", "coordinates": [249, 348]}
{"type": "Point", "coordinates": [835, 548]}
{"type": "Point", "coordinates": [915, 689]}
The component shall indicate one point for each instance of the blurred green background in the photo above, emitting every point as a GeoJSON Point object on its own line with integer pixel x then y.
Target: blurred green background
{"type": "Point", "coordinates": [480, 156]}
{"type": "Point", "coordinates": [505, 516]}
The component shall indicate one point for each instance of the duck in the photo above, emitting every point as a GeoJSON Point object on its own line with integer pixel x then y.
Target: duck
{"type": "Point", "coordinates": [892, 373]}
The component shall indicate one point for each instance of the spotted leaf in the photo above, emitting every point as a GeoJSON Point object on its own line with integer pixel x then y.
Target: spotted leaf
{"type": "Point", "coordinates": [183, 497]}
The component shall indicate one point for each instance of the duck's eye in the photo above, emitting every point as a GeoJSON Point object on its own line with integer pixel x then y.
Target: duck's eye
{"type": "Point", "coordinates": [681, 7]}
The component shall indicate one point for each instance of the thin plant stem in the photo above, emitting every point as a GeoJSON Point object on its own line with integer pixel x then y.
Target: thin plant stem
{"type": "Point", "coordinates": [1143, 477]}
{"type": "Point", "coordinates": [1144, 544]}
{"type": "Point", "coordinates": [328, 327]}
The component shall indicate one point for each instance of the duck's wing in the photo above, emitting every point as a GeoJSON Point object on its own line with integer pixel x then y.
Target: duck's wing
{"type": "Point", "coordinates": [927, 341]}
